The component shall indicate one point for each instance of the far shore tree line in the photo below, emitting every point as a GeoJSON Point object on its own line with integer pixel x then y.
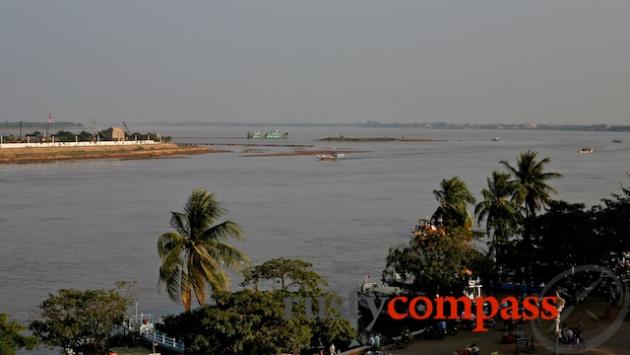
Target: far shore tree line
{"type": "Point", "coordinates": [530, 236]}
{"type": "Point", "coordinates": [38, 125]}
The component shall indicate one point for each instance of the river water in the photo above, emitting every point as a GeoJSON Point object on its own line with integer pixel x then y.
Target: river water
{"type": "Point", "coordinates": [87, 224]}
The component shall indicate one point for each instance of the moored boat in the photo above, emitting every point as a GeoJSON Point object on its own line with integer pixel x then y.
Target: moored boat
{"type": "Point", "coordinates": [330, 156]}
{"type": "Point", "coordinates": [495, 139]}
{"type": "Point", "coordinates": [275, 134]}
{"type": "Point", "coordinates": [586, 150]}
{"type": "Point", "coordinates": [617, 140]}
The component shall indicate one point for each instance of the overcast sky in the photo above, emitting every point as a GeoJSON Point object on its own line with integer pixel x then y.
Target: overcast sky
{"type": "Point", "coordinates": [316, 61]}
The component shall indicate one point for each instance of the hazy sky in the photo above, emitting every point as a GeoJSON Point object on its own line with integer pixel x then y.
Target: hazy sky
{"type": "Point", "coordinates": [325, 61]}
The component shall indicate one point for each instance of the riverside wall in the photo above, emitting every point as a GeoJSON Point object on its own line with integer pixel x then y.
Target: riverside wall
{"type": "Point", "coordinates": [74, 144]}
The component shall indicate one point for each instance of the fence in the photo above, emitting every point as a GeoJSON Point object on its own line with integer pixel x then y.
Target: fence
{"type": "Point", "coordinates": [162, 340]}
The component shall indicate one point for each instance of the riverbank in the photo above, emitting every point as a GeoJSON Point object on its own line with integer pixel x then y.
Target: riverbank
{"type": "Point", "coordinates": [51, 154]}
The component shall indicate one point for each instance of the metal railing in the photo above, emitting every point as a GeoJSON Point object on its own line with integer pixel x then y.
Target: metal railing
{"type": "Point", "coordinates": [162, 340]}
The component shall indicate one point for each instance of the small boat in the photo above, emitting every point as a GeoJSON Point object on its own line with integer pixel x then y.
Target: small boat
{"type": "Point", "coordinates": [330, 156]}
{"type": "Point", "coordinates": [254, 135]}
{"type": "Point", "coordinates": [617, 140]}
{"type": "Point", "coordinates": [495, 139]}
{"type": "Point", "coordinates": [586, 150]}
{"type": "Point", "coordinates": [275, 134]}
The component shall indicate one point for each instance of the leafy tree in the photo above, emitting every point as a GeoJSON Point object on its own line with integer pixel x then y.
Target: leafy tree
{"type": "Point", "coordinates": [529, 172]}
{"type": "Point", "coordinates": [80, 321]}
{"type": "Point", "coordinates": [613, 219]}
{"type": "Point", "coordinates": [569, 234]}
{"type": "Point", "coordinates": [500, 211]}
{"type": "Point", "coordinates": [85, 136]}
{"type": "Point", "coordinates": [11, 338]}
{"type": "Point", "coordinates": [192, 256]}
{"type": "Point", "coordinates": [435, 262]}
{"type": "Point", "coordinates": [558, 239]}
{"type": "Point", "coordinates": [453, 197]}
{"type": "Point", "coordinates": [64, 136]}
{"type": "Point", "coordinates": [244, 322]}
{"type": "Point", "coordinates": [254, 321]}
{"type": "Point", "coordinates": [288, 273]}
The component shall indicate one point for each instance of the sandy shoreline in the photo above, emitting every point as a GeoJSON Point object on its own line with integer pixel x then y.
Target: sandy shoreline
{"type": "Point", "coordinates": [43, 155]}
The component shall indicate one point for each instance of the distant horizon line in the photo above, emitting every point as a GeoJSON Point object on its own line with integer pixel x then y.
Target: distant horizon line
{"type": "Point", "coordinates": [366, 124]}
{"type": "Point", "coordinates": [428, 125]}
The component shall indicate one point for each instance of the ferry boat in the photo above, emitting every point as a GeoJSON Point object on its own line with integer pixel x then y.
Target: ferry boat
{"type": "Point", "coordinates": [586, 150]}
{"type": "Point", "coordinates": [275, 134]}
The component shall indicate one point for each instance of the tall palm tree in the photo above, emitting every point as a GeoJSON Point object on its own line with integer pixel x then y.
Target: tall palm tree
{"type": "Point", "coordinates": [500, 210]}
{"type": "Point", "coordinates": [453, 197]}
{"type": "Point", "coordinates": [534, 192]}
{"type": "Point", "coordinates": [192, 256]}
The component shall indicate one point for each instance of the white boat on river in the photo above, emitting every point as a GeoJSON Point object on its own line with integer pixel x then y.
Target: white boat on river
{"type": "Point", "coordinates": [331, 156]}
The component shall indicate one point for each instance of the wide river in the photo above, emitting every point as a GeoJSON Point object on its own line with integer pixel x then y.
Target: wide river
{"type": "Point", "coordinates": [87, 224]}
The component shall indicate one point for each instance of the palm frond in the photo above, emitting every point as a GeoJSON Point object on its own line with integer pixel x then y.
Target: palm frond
{"type": "Point", "coordinates": [168, 242]}
{"type": "Point", "coordinates": [230, 256]}
{"type": "Point", "coordinates": [223, 231]}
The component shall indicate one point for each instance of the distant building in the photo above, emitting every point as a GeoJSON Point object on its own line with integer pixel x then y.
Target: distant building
{"type": "Point", "coordinates": [114, 134]}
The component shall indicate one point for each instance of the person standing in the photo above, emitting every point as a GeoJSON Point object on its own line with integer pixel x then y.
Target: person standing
{"type": "Point", "coordinates": [332, 349]}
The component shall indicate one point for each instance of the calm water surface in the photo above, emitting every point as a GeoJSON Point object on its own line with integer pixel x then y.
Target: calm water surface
{"type": "Point", "coordinates": [88, 224]}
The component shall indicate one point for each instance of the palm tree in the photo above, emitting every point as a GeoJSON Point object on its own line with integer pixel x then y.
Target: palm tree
{"type": "Point", "coordinates": [534, 192]}
{"type": "Point", "coordinates": [500, 210]}
{"type": "Point", "coordinates": [453, 197]}
{"type": "Point", "coordinates": [193, 254]}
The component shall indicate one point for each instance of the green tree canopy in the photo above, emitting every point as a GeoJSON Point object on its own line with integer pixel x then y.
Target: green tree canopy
{"type": "Point", "coordinates": [613, 218]}
{"type": "Point", "coordinates": [81, 321]}
{"type": "Point", "coordinates": [11, 338]}
{"type": "Point", "coordinates": [434, 262]}
{"type": "Point", "coordinates": [244, 322]}
{"type": "Point", "coordinates": [290, 274]}
{"type": "Point", "coordinates": [254, 322]}
{"type": "Point", "coordinates": [193, 255]}
{"type": "Point", "coordinates": [569, 234]}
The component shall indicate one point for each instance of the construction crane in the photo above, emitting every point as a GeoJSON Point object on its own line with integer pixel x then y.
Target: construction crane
{"type": "Point", "coordinates": [95, 127]}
